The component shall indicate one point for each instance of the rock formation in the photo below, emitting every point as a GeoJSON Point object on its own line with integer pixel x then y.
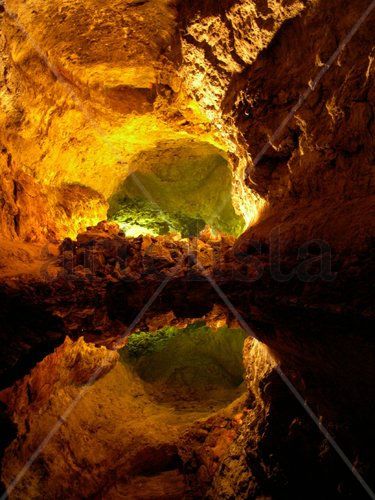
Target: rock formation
{"type": "Point", "coordinates": [276, 99]}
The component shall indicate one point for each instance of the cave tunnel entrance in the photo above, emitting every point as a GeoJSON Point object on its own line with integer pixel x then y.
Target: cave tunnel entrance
{"type": "Point", "coordinates": [179, 187]}
{"type": "Point", "coordinates": [171, 394]}
{"type": "Point", "coordinates": [196, 370]}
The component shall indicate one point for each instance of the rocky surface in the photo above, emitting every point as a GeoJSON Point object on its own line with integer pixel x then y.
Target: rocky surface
{"type": "Point", "coordinates": [103, 282]}
{"type": "Point", "coordinates": [33, 213]}
{"type": "Point", "coordinates": [193, 73]}
{"type": "Point", "coordinates": [320, 168]}
{"type": "Point", "coordinates": [82, 109]}
{"type": "Point", "coordinates": [79, 113]}
{"type": "Point", "coordinates": [126, 433]}
{"type": "Point", "coordinates": [253, 272]}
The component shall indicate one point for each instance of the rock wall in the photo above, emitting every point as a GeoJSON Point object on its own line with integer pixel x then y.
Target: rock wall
{"type": "Point", "coordinates": [80, 109]}
{"type": "Point", "coordinates": [35, 213]}
{"type": "Point", "coordinates": [317, 175]}
{"type": "Point", "coordinates": [220, 40]}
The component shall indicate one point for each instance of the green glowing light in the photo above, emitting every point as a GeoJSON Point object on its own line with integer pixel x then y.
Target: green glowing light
{"type": "Point", "coordinates": [181, 186]}
{"type": "Point", "coordinates": [197, 353]}
{"type": "Point", "coordinates": [140, 217]}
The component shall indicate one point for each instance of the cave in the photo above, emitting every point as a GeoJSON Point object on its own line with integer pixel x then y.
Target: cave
{"type": "Point", "coordinates": [178, 187]}
{"type": "Point", "coordinates": [187, 230]}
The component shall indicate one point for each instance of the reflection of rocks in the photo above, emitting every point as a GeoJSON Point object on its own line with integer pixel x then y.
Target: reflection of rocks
{"type": "Point", "coordinates": [28, 332]}
{"type": "Point", "coordinates": [118, 437]}
{"type": "Point", "coordinates": [98, 302]}
{"type": "Point", "coordinates": [105, 280]}
{"type": "Point", "coordinates": [134, 268]}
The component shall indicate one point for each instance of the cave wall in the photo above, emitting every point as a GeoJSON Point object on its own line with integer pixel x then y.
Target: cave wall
{"type": "Point", "coordinates": [318, 176]}
{"type": "Point", "coordinates": [231, 89]}
{"type": "Point", "coordinates": [80, 109]}
{"type": "Point", "coordinates": [321, 167]}
{"type": "Point", "coordinates": [216, 51]}
{"type": "Point", "coordinates": [35, 213]}
{"type": "Point", "coordinates": [62, 127]}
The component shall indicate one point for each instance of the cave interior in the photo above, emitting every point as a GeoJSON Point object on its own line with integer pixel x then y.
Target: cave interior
{"type": "Point", "coordinates": [187, 227]}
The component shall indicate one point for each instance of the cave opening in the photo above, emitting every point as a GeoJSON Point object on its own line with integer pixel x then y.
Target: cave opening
{"type": "Point", "coordinates": [196, 369]}
{"type": "Point", "coordinates": [181, 187]}
{"type": "Point", "coordinates": [164, 401]}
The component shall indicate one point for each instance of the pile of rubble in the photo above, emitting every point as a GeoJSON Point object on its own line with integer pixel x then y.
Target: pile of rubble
{"type": "Point", "coordinates": [104, 251]}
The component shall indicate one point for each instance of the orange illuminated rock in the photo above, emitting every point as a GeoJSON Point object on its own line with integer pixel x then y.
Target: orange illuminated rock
{"type": "Point", "coordinates": [35, 213]}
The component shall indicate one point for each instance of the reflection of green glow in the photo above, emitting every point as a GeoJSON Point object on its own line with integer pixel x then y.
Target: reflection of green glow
{"type": "Point", "coordinates": [196, 349]}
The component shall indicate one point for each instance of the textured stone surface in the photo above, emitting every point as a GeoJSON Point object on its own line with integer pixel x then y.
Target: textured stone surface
{"type": "Point", "coordinates": [85, 106]}
{"type": "Point", "coordinates": [77, 114]}
{"type": "Point", "coordinates": [128, 428]}
{"type": "Point", "coordinates": [318, 176]}
{"type": "Point", "coordinates": [210, 81]}
{"type": "Point", "coordinates": [34, 213]}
